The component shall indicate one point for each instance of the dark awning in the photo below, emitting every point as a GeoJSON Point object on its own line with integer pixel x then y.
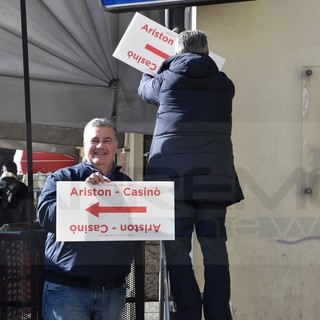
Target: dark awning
{"type": "Point", "coordinates": [73, 76]}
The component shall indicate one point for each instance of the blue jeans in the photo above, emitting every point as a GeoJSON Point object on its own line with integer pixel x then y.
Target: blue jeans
{"type": "Point", "coordinates": [72, 303]}
{"type": "Point", "coordinates": [208, 220]}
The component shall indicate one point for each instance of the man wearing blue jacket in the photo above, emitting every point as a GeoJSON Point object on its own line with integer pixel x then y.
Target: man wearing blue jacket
{"type": "Point", "coordinates": [85, 280]}
{"type": "Point", "coordinates": [192, 146]}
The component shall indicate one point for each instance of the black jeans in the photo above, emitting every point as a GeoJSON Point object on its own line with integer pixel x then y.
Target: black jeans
{"type": "Point", "coordinates": [208, 220]}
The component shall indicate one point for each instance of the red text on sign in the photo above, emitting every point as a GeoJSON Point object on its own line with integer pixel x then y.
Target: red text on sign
{"type": "Point", "coordinates": [140, 227]}
{"type": "Point", "coordinates": [102, 228]}
{"type": "Point", "coordinates": [151, 66]}
{"type": "Point", "coordinates": [88, 192]}
{"type": "Point", "coordinates": [157, 34]}
{"type": "Point", "coordinates": [144, 192]}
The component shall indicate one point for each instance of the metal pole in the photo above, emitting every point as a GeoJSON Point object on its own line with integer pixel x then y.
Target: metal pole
{"type": "Point", "coordinates": [27, 111]}
{"type": "Point", "coordinates": [164, 312]}
{"type": "Point", "coordinates": [174, 19]}
{"type": "Point", "coordinates": [139, 279]}
{"type": "Point", "coordinates": [31, 210]}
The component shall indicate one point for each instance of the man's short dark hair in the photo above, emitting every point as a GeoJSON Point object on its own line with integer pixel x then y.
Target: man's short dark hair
{"type": "Point", "coordinates": [10, 166]}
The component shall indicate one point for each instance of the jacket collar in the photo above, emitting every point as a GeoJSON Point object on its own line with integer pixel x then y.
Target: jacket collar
{"type": "Point", "coordinates": [115, 168]}
{"type": "Point", "coordinates": [8, 175]}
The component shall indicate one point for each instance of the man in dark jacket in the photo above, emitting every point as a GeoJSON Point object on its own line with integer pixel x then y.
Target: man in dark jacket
{"type": "Point", "coordinates": [192, 146]}
{"type": "Point", "coordinates": [85, 280]}
{"type": "Point", "coordinates": [15, 208]}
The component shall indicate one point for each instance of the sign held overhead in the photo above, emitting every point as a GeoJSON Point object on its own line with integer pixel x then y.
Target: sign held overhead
{"type": "Point", "coordinates": [146, 43]}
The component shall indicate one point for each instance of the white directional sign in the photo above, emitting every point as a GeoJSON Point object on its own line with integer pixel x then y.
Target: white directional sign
{"type": "Point", "coordinates": [115, 211]}
{"type": "Point", "coordinates": [146, 43]}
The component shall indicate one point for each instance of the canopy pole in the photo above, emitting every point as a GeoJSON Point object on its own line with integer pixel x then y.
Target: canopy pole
{"type": "Point", "coordinates": [24, 37]}
{"type": "Point", "coordinates": [31, 209]}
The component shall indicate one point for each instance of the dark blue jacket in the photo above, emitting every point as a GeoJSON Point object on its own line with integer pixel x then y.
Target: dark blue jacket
{"type": "Point", "coordinates": [192, 136]}
{"type": "Point", "coordinates": [87, 264]}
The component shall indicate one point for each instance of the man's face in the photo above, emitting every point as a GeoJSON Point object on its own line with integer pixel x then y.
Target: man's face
{"type": "Point", "coordinates": [100, 147]}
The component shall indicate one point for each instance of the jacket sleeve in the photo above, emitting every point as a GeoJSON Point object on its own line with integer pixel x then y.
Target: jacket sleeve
{"type": "Point", "coordinates": [149, 88]}
{"type": "Point", "coordinates": [47, 205]}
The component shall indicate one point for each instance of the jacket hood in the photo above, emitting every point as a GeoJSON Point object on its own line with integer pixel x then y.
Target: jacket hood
{"type": "Point", "coordinates": [190, 65]}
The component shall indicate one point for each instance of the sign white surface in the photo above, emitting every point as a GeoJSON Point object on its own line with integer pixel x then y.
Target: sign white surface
{"type": "Point", "coordinates": [115, 211]}
{"type": "Point", "coordinates": [146, 43]}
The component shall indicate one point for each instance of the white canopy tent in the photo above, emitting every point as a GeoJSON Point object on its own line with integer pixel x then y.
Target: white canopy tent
{"type": "Point", "coordinates": [73, 76]}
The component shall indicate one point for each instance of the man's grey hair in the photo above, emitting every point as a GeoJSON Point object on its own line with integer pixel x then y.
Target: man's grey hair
{"type": "Point", "coordinates": [101, 122]}
{"type": "Point", "coordinates": [191, 41]}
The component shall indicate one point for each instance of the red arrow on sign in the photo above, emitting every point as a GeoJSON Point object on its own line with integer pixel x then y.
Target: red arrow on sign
{"type": "Point", "coordinates": [95, 209]}
{"type": "Point", "coordinates": [156, 51]}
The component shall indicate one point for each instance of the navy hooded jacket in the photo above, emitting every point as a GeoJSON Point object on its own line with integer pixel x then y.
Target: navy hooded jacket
{"type": "Point", "coordinates": [192, 137]}
{"type": "Point", "coordinates": [86, 264]}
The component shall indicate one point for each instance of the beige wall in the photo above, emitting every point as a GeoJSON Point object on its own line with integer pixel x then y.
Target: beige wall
{"type": "Point", "coordinates": [266, 43]}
